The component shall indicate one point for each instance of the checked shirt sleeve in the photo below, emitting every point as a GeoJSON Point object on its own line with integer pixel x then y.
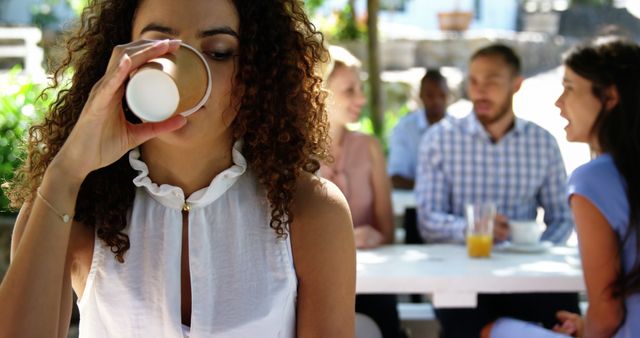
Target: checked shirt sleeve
{"type": "Point", "coordinates": [433, 194]}
{"type": "Point", "coordinates": [400, 157]}
{"type": "Point", "coordinates": [552, 198]}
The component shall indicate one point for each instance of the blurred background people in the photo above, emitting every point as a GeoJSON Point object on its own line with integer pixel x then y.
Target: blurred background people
{"type": "Point", "coordinates": [405, 140]}
{"type": "Point", "coordinates": [358, 169]}
{"type": "Point", "coordinates": [493, 156]}
{"type": "Point", "coordinates": [406, 135]}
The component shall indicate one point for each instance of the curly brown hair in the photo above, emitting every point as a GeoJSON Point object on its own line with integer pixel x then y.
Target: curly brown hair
{"type": "Point", "coordinates": [281, 114]}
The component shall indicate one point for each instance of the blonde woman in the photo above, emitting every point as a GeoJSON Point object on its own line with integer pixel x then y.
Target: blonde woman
{"type": "Point", "coordinates": [359, 170]}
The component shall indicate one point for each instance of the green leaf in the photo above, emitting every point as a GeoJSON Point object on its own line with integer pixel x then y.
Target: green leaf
{"type": "Point", "coordinates": [20, 106]}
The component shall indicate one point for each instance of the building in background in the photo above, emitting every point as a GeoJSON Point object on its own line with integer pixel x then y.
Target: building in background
{"type": "Point", "coordinates": [421, 16]}
{"type": "Point", "coordinates": [416, 19]}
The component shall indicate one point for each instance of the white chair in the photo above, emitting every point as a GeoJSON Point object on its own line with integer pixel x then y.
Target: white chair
{"type": "Point", "coordinates": [366, 327]}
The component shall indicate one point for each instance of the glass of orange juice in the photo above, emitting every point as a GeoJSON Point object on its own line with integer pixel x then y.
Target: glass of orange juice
{"type": "Point", "coordinates": [480, 217]}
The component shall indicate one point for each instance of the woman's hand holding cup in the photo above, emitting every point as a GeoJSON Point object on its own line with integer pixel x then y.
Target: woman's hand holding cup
{"type": "Point", "coordinates": [102, 134]}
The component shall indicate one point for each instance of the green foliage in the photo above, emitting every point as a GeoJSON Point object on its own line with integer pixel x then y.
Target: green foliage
{"type": "Point", "coordinates": [77, 5]}
{"type": "Point", "coordinates": [342, 26]}
{"type": "Point", "coordinates": [310, 5]}
{"type": "Point", "coordinates": [397, 96]}
{"type": "Point", "coordinates": [347, 28]}
{"type": "Point", "coordinates": [20, 105]}
{"type": "Point", "coordinates": [391, 117]}
{"type": "Point", "coordinates": [43, 16]}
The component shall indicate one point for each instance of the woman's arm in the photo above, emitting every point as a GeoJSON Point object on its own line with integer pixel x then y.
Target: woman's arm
{"type": "Point", "coordinates": [601, 266]}
{"type": "Point", "coordinates": [324, 257]}
{"type": "Point", "coordinates": [383, 212]}
{"type": "Point", "coordinates": [35, 294]}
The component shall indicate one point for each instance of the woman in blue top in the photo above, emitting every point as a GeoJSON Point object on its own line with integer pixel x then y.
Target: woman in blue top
{"type": "Point", "coordinates": [601, 101]}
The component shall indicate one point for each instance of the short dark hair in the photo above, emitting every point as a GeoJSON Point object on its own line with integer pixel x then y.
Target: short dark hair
{"type": "Point", "coordinates": [505, 52]}
{"type": "Point", "coordinates": [433, 75]}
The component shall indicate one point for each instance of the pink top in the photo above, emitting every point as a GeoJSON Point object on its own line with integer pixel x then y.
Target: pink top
{"type": "Point", "coordinates": [352, 172]}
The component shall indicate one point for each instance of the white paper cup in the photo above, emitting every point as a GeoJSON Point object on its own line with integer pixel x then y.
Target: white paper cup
{"type": "Point", "coordinates": [175, 83]}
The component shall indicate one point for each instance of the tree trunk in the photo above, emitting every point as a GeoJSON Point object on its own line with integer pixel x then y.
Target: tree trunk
{"type": "Point", "coordinates": [352, 5]}
{"type": "Point", "coordinates": [375, 98]}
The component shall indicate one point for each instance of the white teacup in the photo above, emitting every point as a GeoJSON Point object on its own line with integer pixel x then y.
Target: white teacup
{"type": "Point", "coordinates": [525, 232]}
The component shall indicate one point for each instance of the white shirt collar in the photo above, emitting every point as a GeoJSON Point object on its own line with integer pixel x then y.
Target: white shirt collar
{"type": "Point", "coordinates": [173, 197]}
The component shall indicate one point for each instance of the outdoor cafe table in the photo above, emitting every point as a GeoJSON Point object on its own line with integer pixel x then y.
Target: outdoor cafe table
{"type": "Point", "coordinates": [454, 280]}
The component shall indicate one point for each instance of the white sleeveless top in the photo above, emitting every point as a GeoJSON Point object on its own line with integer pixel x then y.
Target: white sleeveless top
{"type": "Point", "coordinates": [243, 281]}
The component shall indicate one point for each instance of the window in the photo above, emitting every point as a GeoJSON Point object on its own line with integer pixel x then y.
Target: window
{"type": "Point", "coordinates": [393, 5]}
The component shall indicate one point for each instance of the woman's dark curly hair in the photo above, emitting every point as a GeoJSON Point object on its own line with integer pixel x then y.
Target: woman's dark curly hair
{"type": "Point", "coordinates": [606, 62]}
{"type": "Point", "coordinates": [281, 114]}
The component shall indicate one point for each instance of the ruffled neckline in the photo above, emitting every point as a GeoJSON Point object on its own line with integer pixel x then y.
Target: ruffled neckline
{"type": "Point", "coordinates": [173, 197]}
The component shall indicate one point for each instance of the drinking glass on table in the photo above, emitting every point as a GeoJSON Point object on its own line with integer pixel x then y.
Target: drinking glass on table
{"type": "Point", "coordinates": [480, 217]}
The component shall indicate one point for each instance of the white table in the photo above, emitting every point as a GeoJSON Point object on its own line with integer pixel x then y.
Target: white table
{"type": "Point", "coordinates": [454, 280]}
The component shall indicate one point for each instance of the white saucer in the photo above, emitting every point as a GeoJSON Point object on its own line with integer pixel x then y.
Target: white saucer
{"type": "Point", "coordinates": [526, 248]}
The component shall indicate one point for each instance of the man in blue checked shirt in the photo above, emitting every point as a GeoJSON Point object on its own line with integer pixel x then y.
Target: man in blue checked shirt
{"type": "Point", "coordinates": [491, 155]}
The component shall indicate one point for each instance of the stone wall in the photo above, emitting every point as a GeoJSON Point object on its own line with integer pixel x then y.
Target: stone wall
{"type": "Point", "coordinates": [539, 51]}
{"type": "Point", "coordinates": [586, 21]}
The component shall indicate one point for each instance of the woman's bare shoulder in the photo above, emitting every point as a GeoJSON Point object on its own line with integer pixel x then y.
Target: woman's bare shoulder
{"type": "Point", "coordinates": [318, 200]}
{"type": "Point", "coordinates": [322, 234]}
{"type": "Point", "coordinates": [321, 216]}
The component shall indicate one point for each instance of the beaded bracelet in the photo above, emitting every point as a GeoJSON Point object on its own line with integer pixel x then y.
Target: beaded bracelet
{"type": "Point", "coordinates": [63, 216]}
